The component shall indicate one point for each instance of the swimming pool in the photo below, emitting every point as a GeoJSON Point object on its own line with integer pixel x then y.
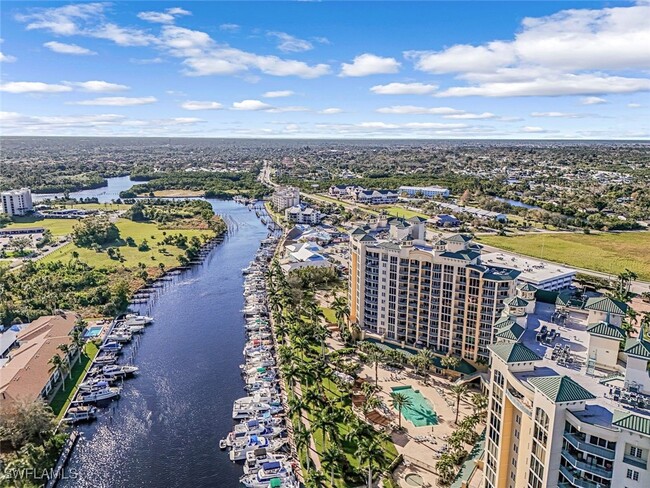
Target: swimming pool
{"type": "Point", "coordinates": [420, 412]}
{"type": "Point", "coordinates": [93, 331]}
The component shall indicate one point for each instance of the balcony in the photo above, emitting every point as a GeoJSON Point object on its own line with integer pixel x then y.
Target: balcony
{"type": "Point", "coordinates": [582, 445]}
{"type": "Point", "coordinates": [636, 462]}
{"type": "Point", "coordinates": [577, 481]}
{"type": "Point", "coordinates": [583, 466]}
{"type": "Point", "coordinates": [518, 401]}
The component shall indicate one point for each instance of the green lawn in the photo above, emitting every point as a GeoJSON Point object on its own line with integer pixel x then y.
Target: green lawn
{"type": "Point", "coordinates": [63, 397]}
{"type": "Point", "coordinates": [138, 231]}
{"type": "Point", "coordinates": [398, 211]}
{"type": "Point", "coordinates": [607, 252]}
{"type": "Point", "coordinates": [330, 316]}
{"type": "Point", "coordinates": [58, 227]}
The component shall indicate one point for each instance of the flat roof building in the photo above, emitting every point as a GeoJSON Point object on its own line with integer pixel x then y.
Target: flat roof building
{"type": "Point", "coordinates": [544, 275]}
{"type": "Point", "coordinates": [16, 202]}
{"type": "Point", "coordinates": [425, 191]}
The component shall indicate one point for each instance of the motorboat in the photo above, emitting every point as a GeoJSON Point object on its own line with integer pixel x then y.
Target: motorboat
{"type": "Point", "coordinates": [252, 408]}
{"type": "Point", "coordinates": [273, 470]}
{"type": "Point", "coordinates": [119, 370]}
{"type": "Point", "coordinates": [252, 442]}
{"type": "Point", "coordinates": [84, 413]}
{"type": "Point", "coordinates": [98, 395]}
{"type": "Point", "coordinates": [252, 427]}
{"type": "Point", "coordinates": [133, 319]}
{"type": "Point", "coordinates": [111, 346]}
{"type": "Point", "coordinates": [106, 358]}
{"type": "Point", "coordinates": [95, 384]}
{"type": "Point", "coordinates": [133, 329]}
{"type": "Point", "coordinates": [120, 336]}
{"type": "Point", "coordinates": [255, 459]}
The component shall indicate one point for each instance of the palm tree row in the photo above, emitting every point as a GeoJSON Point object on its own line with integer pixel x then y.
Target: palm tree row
{"type": "Point", "coordinates": [322, 411]}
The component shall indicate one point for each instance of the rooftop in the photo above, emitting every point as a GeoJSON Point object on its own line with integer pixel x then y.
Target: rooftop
{"type": "Point", "coordinates": [531, 269]}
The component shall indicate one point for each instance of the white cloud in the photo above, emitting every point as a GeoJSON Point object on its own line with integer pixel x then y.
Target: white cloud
{"type": "Point", "coordinates": [557, 85]}
{"type": "Point", "coordinates": [290, 44]}
{"type": "Point", "coordinates": [63, 48]}
{"type": "Point", "coordinates": [433, 125]}
{"type": "Point", "coordinates": [117, 101]}
{"type": "Point", "coordinates": [412, 109]}
{"type": "Point", "coordinates": [471, 116]}
{"type": "Point", "coordinates": [532, 129]}
{"type": "Point", "coordinates": [330, 111]}
{"type": "Point", "coordinates": [33, 87]}
{"type": "Point", "coordinates": [6, 58]}
{"type": "Point", "coordinates": [123, 36]}
{"type": "Point", "coordinates": [229, 27]}
{"type": "Point", "coordinates": [166, 17]}
{"type": "Point", "coordinates": [592, 100]}
{"type": "Point", "coordinates": [61, 20]}
{"type": "Point", "coordinates": [560, 115]}
{"type": "Point", "coordinates": [369, 64]}
{"type": "Point", "coordinates": [96, 86]}
{"type": "Point", "coordinates": [291, 108]}
{"type": "Point", "coordinates": [197, 105]}
{"type": "Point", "coordinates": [404, 89]}
{"type": "Point", "coordinates": [278, 94]}
{"type": "Point", "coordinates": [567, 53]}
{"type": "Point", "coordinates": [145, 60]}
{"type": "Point", "coordinates": [252, 105]}
{"type": "Point", "coordinates": [634, 105]}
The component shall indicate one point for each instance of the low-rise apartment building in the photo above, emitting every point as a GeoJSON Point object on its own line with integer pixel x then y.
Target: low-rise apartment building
{"type": "Point", "coordinates": [302, 215]}
{"type": "Point", "coordinates": [285, 197]}
{"type": "Point", "coordinates": [376, 197]}
{"type": "Point", "coordinates": [425, 191]}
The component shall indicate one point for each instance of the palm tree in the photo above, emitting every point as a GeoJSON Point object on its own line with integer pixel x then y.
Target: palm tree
{"type": "Point", "coordinates": [302, 438]}
{"type": "Point", "coordinates": [65, 349]}
{"type": "Point", "coordinates": [400, 401]}
{"type": "Point", "coordinates": [78, 341]}
{"type": "Point", "coordinates": [445, 468]}
{"type": "Point", "coordinates": [459, 391]}
{"type": "Point", "coordinates": [324, 422]}
{"type": "Point", "coordinates": [58, 364]}
{"type": "Point", "coordinates": [479, 403]}
{"type": "Point", "coordinates": [450, 362]}
{"type": "Point", "coordinates": [330, 461]}
{"type": "Point", "coordinates": [369, 404]}
{"type": "Point", "coordinates": [341, 310]}
{"type": "Point", "coordinates": [375, 356]}
{"type": "Point", "coordinates": [314, 479]}
{"type": "Point", "coordinates": [369, 450]}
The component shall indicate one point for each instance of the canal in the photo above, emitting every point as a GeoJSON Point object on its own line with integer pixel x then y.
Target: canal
{"type": "Point", "coordinates": [165, 429]}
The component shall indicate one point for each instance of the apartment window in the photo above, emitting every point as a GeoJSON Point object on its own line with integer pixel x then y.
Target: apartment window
{"type": "Point", "coordinates": [636, 452]}
{"type": "Point", "coordinates": [633, 475]}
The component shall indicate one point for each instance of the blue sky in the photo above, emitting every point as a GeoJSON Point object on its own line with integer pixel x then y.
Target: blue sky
{"type": "Point", "coordinates": [327, 70]}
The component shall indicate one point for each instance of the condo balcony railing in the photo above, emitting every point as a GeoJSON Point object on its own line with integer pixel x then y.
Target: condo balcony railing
{"type": "Point", "coordinates": [518, 401]}
{"type": "Point", "coordinates": [582, 445]}
{"type": "Point", "coordinates": [636, 462]}
{"type": "Point", "coordinates": [587, 467]}
{"type": "Point", "coordinates": [575, 479]}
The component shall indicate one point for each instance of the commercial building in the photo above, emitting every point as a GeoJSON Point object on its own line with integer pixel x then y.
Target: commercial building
{"type": "Point", "coordinates": [376, 197]}
{"type": "Point", "coordinates": [544, 275]}
{"type": "Point", "coordinates": [25, 372]}
{"type": "Point", "coordinates": [566, 408]}
{"type": "Point", "coordinates": [16, 202]}
{"type": "Point", "coordinates": [438, 295]}
{"type": "Point", "coordinates": [285, 197]}
{"type": "Point", "coordinates": [344, 190]}
{"type": "Point", "coordinates": [300, 214]}
{"type": "Point", "coordinates": [425, 191]}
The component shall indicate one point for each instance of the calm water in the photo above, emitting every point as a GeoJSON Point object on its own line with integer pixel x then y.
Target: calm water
{"type": "Point", "coordinates": [516, 203]}
{"type": "Point", "coordinates": [167, 424]}
{"type": "Point", "coordinates": [104, 194]}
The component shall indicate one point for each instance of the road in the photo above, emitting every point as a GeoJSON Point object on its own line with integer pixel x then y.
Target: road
{"type": "Point", "coordinates": [637, 286]}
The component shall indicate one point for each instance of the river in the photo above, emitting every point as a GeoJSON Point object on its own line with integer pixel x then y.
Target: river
{"type": "Point", "coordinates": [105, 194]}
{"type": "Point", "coordinates": [166, 426]}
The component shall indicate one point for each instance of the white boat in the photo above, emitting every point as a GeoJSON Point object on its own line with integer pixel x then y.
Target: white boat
{"type": "Point", "coordinates": [252, 409]}
{"type": "Point", "coordinates": [252, 427]}
{"type": "Point", "coordinates": [98, 395]}
{"type": "Point", "coordinates": [111, 346]}
{"type": "Point", "coordinates": [250, 443]}
{"type": "Point", "coordinates": [255, 459]}
{"type": "Point", "coordinates": [273, 470]}
{"type": "Point", "coordinates": [116, 370]}
{"type": "Point", "coordinates": [95, 384]}
{"type": "Point", "coordinates": [120, 336]}
{"type": "Point", "coordinates": [133, 319]}
{"type": "Point", "coordinates": [80, 414]}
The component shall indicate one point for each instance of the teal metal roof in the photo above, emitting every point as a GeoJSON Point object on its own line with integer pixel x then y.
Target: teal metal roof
{"type": "Point", "coordinates": [504, 321]}
{"type": "Point", "coordinates": [637, 348]}
{"type": "Point", "coordinates": [560, 389]}
{"type": "Point", "coordinates": [605, 304]}
{"type": "Point", "coordinates": [631, 421]}
{"type": "Point", "coordinates": [608, 330]}
{"type": "Point", "coordinates": [563, 299]}
{"type": "Point", "coordinates": [515, 302]}
{"type": "Point", "coordinates": [511, 332]}
{"type": "Point", "coordinates": [514, 352]}
{"type": "Point", "coordinates": [459, 238]}
{"type": "Point", "coordinates": [358, 231]}
{"type": "Point", "coordinates": [368, 238]}
{"type": "Point", "coordinates": [528, 287]}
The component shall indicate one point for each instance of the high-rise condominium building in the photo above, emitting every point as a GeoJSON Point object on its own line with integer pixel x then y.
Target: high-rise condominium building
{"type": "Point", "coordinates": [16, 202]}
{"type": "Point", "coordinates": [568, 407]}
{"type": "Point", "coordinates": [426, 294]}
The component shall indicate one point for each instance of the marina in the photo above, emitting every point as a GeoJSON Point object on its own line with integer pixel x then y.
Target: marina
{"type": "Point", "coordinates": [180, 399]}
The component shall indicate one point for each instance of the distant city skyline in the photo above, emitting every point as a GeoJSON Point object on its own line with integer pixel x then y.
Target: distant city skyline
{"type": "Point", "coordinates": [485, 70]}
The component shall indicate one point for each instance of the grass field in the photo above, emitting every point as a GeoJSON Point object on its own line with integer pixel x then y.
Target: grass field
{"type": "Point", "coordinates": [398, 211]}
{"type": "Point", "coordinates": [607, 253]}
{"type": "Point", "coordinates": [64, 396]}
{"type": "Point", "coordinates": [138, 231]}
{"type": "Point", "coordinates": [58, 227]}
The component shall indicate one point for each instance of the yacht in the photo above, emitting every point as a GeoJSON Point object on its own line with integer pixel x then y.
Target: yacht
{"type": "Point", "coordinates": [106, 358]}
{"type": "Point", "coordinates": [98, 395]}
{"type": "Point", "coordinates": [95, 384]}
{"type": "Point", "coordinates": [273, 470]}
{"type": "Point", "coordinates": [120, 336]}
{"type": "Point", "coordinates": [255, 459]}
{"type": "Point", "coordinates": [119, 370]}
{"type": "Point", "coordinates": [250, 443]}
{"type": "Point", "coordinates": [80, 414]}
{"type": "Point", "coordinates": [251, 427]}
{"type": "Point", "coordinates": [111, 346]}
{"type": "Point", "coordinates": [133, 319]}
